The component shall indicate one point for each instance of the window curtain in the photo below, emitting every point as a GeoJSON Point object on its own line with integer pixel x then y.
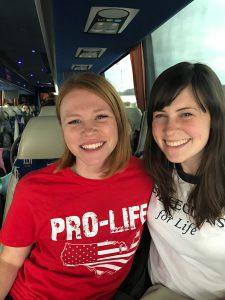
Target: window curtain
{"type": "Point", "coordinates": [137, 63]}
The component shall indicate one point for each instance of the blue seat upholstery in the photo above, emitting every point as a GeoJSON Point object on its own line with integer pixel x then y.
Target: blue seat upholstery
{"type": "Point", "coordinates": [23, 166]}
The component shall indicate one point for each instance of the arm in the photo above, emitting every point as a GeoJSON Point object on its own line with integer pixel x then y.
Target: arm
{"type": "Point", "coordinates": [11, 260]}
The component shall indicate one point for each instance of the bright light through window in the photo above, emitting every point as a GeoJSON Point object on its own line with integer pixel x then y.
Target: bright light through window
{"type": "Point", "coordinates": [195, 34]}
{"type": "Point", "coordinates": [121, 77]}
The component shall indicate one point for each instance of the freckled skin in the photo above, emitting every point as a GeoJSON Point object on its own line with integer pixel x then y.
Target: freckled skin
{"type": "Point", "coordinates": [182, 122]}
{"type": "Point", "coordinates": [88, 120]}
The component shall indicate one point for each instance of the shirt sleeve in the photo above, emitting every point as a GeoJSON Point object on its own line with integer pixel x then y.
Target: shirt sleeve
{"type": "Point", "coordinates": [19, 229]}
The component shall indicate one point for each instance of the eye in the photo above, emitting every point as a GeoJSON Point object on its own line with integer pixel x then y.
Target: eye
{"type": "Point", "coordinates": [158, 115]}
{"type": "Point", "coordinates": [100, 117]}
{"type": "Point", "coordinates": [74, 122]}
{"type": "Point", "coordinates": [186, 114]}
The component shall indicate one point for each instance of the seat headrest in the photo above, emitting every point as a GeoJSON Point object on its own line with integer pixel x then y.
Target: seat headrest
{"type": "Point", "coordinates": [9, 111]}
{"type": "Point", "coordinates": [134, 116]}
{"type": "Point", "coordinates": [47, 111]}
{"type": "Point", "coordinates": [42, 138]}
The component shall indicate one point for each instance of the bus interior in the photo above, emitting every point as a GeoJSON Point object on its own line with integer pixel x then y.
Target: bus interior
{"type": "Point", "coordinates": [44, 42]}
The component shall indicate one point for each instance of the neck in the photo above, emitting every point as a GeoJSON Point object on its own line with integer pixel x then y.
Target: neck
{"type": "Point", "coordinates": [188, 170]}
{"type": "Point", "coordinates": [88, 172]}
{"type": "Point", "coordinates": [191, 165]}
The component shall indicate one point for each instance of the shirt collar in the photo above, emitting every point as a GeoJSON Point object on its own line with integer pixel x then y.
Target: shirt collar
{"type": "Point", "coordinates": [186, 177]}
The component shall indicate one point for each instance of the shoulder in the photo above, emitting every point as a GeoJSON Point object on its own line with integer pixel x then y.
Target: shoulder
{"type": "Point", "coordinates": [137, 171]}
{"type": "Point", "coordinates": [137, 163]}
{"type": "Point", "coordinates": [40, 175]}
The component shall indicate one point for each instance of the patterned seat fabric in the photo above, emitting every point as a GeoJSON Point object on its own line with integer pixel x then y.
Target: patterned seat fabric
{"type": "Point", "coordinates": [23, 166]}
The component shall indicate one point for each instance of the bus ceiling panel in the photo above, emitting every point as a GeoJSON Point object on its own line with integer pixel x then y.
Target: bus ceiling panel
{"type": "Point", "coordinates": [10, 80]}
{"type": "Point", "coordinates": [39, 38]}
{"type": "Point", "coordinates": [21, 43]}
{"type": "Point", "coordinates": [70, 18]}
{"type": "Point", "coordinates": [4, 86]}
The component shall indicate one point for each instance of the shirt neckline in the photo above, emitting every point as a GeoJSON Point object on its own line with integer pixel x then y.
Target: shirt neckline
{"type": "Point", "coordinates": [186, 177]}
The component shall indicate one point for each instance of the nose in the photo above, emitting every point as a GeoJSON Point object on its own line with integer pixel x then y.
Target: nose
{"type": "Point", "coordinates": [89, 128]}
{"type": "Point", "coordinates": [171, 125]}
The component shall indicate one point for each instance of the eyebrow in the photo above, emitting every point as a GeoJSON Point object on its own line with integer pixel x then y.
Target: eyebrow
{"type": "Point", "coordinates": [101, 109]}
{"type": "Point", "coordinates": [180, 109]}
{"type": "Point", "coordinates": [68, 114]}
{"type": "Point", "coordinates": [184, 108]}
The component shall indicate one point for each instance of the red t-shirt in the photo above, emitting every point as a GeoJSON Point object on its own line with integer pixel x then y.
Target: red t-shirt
{"type": "Point", "coordinates": [84, 231]}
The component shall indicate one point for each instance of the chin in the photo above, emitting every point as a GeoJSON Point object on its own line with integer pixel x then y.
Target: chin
{"type": "Point", "coordinates": [174, 160]}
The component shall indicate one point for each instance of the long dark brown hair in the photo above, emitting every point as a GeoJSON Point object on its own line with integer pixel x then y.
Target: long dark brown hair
{"type": "Point", "coordinates": [207, 199]}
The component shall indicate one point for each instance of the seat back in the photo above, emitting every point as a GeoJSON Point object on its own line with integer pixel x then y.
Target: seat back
{"type": "Point", "coordinates": [142, 135]}
{"type": "Point", "coordinates": [47, 111]}
{"type": "Point", "coordinates": [134, 116]}
{"type": "Point", "coordinates": [41, 144]}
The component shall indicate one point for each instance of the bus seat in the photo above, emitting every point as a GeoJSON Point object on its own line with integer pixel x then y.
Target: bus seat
{"type": "Point", "coordinates": [2, 165]}
{"type": "Point", "coordinates": [9, 111]}
{"type": "Point", "coordinates": [47, 111]}
{"type": "Point", "coordinates": [4, 180]}
{"type": "Point", "coordinates": [16, 129]}
{"type": "Point", "coordinates": [41, 144]}
{"type": "Point", "coordinates": [134, 117]}
{"type": "Point", "coordinates": [142, 137]}
{"type": "Point", "coordinates": [17, 110]}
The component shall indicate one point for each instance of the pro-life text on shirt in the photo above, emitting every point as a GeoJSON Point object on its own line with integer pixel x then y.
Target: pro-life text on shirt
{"type": "Point", "coordinates": [183, 224]}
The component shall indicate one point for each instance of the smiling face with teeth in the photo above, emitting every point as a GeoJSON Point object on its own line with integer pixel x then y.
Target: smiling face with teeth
{"type": "Point", "coordinates": [181, 130]}
{"type": "Point", "coordinates": [90, 130]}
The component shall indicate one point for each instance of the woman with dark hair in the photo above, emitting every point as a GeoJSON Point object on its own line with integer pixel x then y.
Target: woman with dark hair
{"type": "Point", "coordinates": [185, 155]}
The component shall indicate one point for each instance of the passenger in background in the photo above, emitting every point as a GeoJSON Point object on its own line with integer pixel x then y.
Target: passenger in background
{"type": "Point", "coordinates": [25, 109]}
{"type": "Point", "coordinates": [185, 155]}
{"type": "Point", "coordinates": [74, 226]}
{"type": "Point", "coordinates": [49, 100]}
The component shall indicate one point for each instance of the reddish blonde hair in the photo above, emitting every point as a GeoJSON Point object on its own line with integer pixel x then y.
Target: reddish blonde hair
{"type": "Point", "coordinates": [97, 84]}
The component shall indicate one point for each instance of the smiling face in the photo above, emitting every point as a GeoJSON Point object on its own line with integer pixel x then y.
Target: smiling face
{"type": "Point", "coordinates": [90, 130]}
{"type": "Point", "coordinates": [181, 131]}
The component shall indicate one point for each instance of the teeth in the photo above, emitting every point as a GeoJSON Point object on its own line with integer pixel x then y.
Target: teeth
{"type": "Point", "coordinates": [176, 143]}
{"type": "Point", "coordinates": [92, 146]}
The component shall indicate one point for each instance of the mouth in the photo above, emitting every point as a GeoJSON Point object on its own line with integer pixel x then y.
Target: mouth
{"type": "Point", "coordinates": [177, 143]}
{"type": "Point", "coordinates": [91, 147]}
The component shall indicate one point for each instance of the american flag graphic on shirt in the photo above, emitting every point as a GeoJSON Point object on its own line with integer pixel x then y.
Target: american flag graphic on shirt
{"type": "Point", "coordinates": [105, 257]}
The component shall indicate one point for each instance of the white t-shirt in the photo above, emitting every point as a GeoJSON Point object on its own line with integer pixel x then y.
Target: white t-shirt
{"type": "Point", "coordinates": [185, 259]}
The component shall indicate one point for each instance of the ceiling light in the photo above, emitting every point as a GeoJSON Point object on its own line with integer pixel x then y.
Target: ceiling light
{"type": "Point", "coordinates": [76, 67]}
{"type": "Point", "coordinates": [109, 20]}
{"type": "Point", "coordinates": [89, 52]}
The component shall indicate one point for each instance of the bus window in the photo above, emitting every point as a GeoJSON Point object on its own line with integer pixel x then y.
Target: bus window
{"type": "Point", "coordinates": [121, 76]}
{"type": "Point", "coordinates": [195, 34]}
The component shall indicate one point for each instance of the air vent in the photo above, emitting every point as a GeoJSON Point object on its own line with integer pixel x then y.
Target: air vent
{"type": "Point", "coordinates": [89, 52]}
{"type": "Point", "coordinates": [109, 20]}
{"type": "Point", "coordinates": [76, 67]}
